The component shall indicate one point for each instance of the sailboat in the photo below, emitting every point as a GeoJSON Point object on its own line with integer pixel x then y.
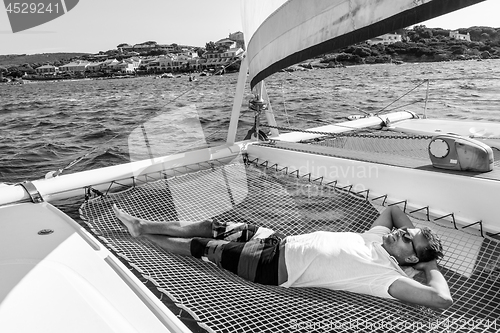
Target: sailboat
{"type": "Point", "coordinates": [59, 275]}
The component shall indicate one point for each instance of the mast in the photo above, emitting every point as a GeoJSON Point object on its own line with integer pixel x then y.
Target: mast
{"type": "Point", "coordinates": [237, 102]}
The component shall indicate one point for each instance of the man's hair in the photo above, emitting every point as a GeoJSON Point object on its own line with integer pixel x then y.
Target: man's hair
{"type": "Point", "coordinates": [434, 250]}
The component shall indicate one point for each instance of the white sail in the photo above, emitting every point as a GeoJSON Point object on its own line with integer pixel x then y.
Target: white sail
{"type": "Point", "coordinates": [281, 33]}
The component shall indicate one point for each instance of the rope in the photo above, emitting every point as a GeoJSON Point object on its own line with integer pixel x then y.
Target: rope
{"type": "Point", "coordinates": [306, 82]}
{"type": "Point", "coordinates": [284, 104]}
{"type": "Point", "coordinates": [52, 174]}
{"type": "Point", "coordinates": [145, 135]}
{"type": "Point", "coordinates": [307, 119]}
{"type": "Point", "coordinates": [324, 91]}
{"type": "Point", "coordinates": [292, 129]}
{"type": "Point", "coordinates": [384, 109]}
{"type": "Point", "coordinates": [198, 82]}
{"type": "Point", "coordinates": [397, 99]}
{"type": "Point", "coordinates": [407, 104]}
{"type": "Point", "coordinates": [355, 107]}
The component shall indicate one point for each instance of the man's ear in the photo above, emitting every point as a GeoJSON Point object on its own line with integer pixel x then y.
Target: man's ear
{"type": "Point", "coordinates": [412, 259]}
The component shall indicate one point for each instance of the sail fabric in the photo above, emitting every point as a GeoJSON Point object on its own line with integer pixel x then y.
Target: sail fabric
{"type": "Point", "coordinates": [280, 33]}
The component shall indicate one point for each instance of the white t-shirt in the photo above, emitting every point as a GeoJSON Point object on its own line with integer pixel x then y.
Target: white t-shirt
{"type": "Point", "coordinates": [343, 261]}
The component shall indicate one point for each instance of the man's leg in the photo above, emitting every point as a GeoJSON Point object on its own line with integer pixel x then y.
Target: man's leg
{"type": "Point", "coordinates": [253, 259]}
{"type": "Point", "coordinates": [138, 227]}
{"type": "Point", "coordinates": [174, 245]}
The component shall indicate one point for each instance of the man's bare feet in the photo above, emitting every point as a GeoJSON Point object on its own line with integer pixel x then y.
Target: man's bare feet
{"type": "Point", "coordinates": [132, 223]}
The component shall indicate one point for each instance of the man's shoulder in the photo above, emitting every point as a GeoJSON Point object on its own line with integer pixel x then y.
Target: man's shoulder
{"type": "Point", "coordinates": [378, 230]}
{"type": "Point", "coordinates": [375, 234]}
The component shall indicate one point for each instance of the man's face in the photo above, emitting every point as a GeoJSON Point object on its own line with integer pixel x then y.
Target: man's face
{"type": "Point", "coordinates": [405, 244]}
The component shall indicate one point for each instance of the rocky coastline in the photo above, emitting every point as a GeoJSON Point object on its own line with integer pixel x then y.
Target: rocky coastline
{"type": "Point", "coordinates": [420, 44]}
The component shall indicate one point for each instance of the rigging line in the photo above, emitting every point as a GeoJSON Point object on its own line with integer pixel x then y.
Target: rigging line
{"type": "Point", "coordinates": [324, 91]}
{"type": "Point", "coordinates": [401, 106]}
{"type": "Point", "coordinates": [206, 143]}
{"type": "Point", "coordinates": [194, 87]}
{"type": "Point", "coordinates": [368, 114]}
{"type": "Point", "coordinates": [202, 81]}
{"type": "Point", "coordinates": [372, 131]}
{"type": "Point", "coordinates": [298, 117]}
{"type": "Point", "coordinates": [400, 97]}
{"type": "Point", "coordinates": [327, 133]}
{"type": "Point", "coordinates": [79, 159]}
{"type": "Point", "coordinates": [320, 89]}
{"type": "Point", "coordinates": [358, 109]}
{"type": "Point", "coordinates": [284, 104]}
{"type": "Point", "coordinates": [306, 82]}
{"type": "Point", "coordinates": [146, 140]}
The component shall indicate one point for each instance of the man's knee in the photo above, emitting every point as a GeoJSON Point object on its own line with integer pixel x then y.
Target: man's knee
{"type": "Point", "coordinates": [197, 247]}
{"type": "Point", "coordinates": [211, 249]}
{"type": "Point", "coordinates": [206, 227]}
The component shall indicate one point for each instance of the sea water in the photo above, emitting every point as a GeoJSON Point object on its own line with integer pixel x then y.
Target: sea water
{"type": "Point", "coordinates": [86, 124]}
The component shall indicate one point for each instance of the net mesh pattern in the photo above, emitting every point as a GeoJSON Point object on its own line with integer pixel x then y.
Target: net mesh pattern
{"type": "Point", "coordinates": [413, 147]}
{"type": "Point", "coordinates": [220, 301]}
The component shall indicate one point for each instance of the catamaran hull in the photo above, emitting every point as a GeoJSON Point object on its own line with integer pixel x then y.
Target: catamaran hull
{"type": "Point", "coordinates": [58, 278]}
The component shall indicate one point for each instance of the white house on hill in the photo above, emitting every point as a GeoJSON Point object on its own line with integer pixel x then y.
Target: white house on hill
{"type": "Point", "coordinates": [385, 39]}
{"type": "Point", "coordinates": [47, 69]}
{"type": "Point", "coordinates": [75, 67]}
{"type": "Point", "coordinates": [230, 44]}
{"type": "Point", "coordinates": [458, 36]}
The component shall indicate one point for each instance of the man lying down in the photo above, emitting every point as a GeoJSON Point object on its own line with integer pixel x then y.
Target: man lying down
{"type": "Point", "coordinates": [370, 263]}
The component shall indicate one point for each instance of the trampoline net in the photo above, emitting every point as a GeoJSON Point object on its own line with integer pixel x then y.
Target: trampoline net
{"type": "Point", "coordinates": [394, 145]}
{"type": "Point", "coordinates": [220, 301]}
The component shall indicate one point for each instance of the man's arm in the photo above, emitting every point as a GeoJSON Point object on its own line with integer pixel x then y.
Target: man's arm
{"type": "Point", "coordinates": [435, 294]}
{"type": "Point", "coordinates": [393, 217]}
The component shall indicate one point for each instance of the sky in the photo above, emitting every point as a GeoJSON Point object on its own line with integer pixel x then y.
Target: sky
{"type": "Point", "coordinates": [101, 25]}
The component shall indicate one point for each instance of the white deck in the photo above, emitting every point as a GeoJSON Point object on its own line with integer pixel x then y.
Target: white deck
{"type": "Point", "coordinates": [65, 281]}
{"type": "Point", "coordinates": [485, 131]}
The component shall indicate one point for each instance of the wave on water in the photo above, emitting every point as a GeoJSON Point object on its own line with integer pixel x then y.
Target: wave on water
{"type": "Point", "coordinates": [109, 156]}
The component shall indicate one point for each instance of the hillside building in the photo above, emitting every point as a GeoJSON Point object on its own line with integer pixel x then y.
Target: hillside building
{"type": "Point", "coordinates": [385, 39]}
{"type": "Point", "coordinates": [47, 69]}
{"type": "Point", "coordinates": [458, 36]}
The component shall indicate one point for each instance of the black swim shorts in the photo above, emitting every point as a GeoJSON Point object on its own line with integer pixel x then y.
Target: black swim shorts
{"type": "Point", "coordinates": [236, 249]}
